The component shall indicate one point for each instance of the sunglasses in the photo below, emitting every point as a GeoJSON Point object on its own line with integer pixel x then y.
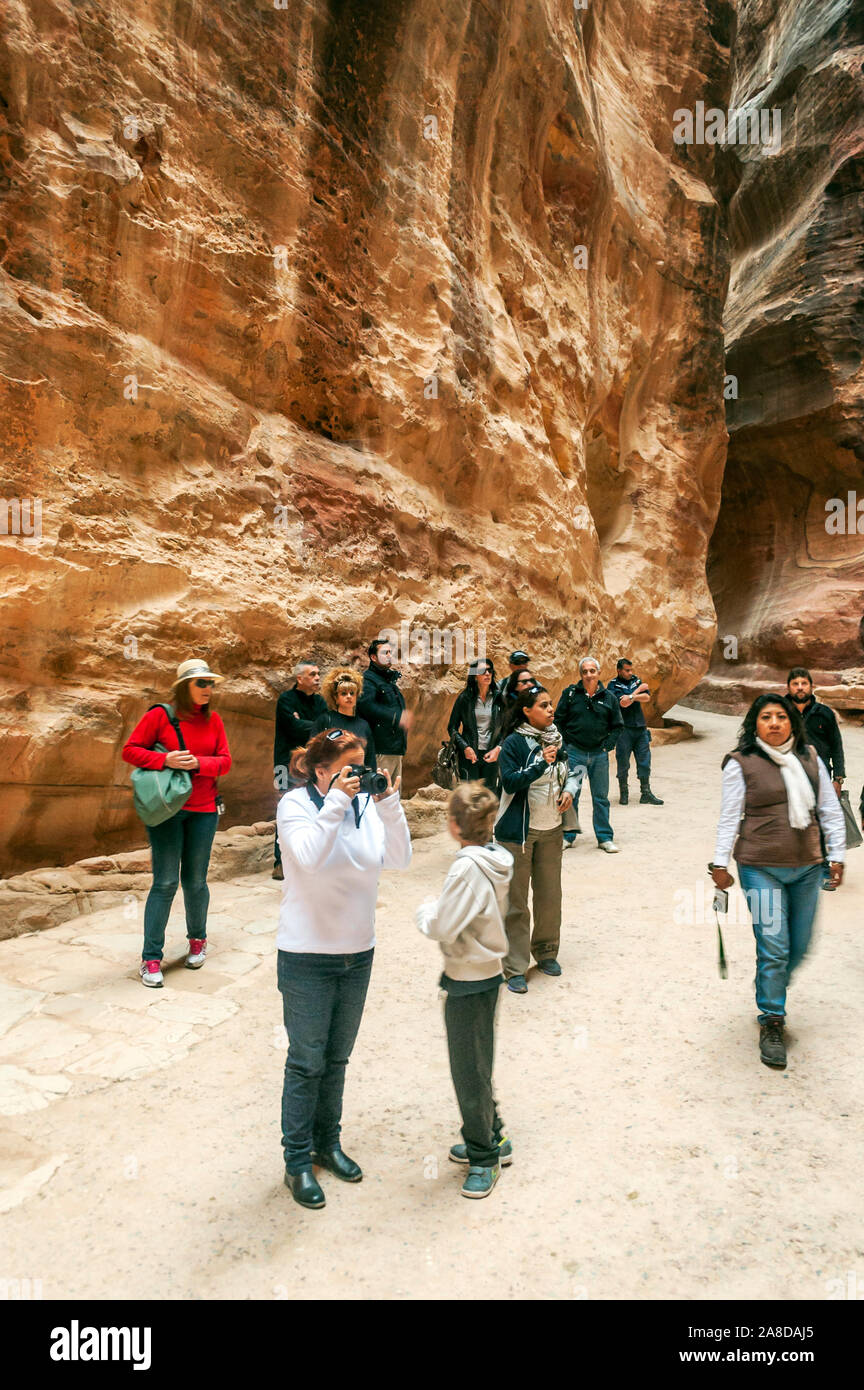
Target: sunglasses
{"type": "Point", "coordinates": [336, 733]}
{"type": "Point", "coordinates": [204, 685]}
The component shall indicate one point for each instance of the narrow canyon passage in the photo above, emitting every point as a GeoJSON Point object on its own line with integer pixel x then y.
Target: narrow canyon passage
{"type": "Point", "coordinates": [654, 1156]}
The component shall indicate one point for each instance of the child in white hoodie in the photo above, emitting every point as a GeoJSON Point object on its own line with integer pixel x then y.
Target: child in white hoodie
{"type": "Point", "coordinates": [468, 923]}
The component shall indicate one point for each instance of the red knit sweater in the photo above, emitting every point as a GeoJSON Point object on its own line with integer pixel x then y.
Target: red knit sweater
{"type": "Point", "coordinates": [204, 737]}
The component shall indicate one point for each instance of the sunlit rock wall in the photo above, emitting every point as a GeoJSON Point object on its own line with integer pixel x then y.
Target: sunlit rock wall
{"type": "Point", "coordinates": [297, 342]}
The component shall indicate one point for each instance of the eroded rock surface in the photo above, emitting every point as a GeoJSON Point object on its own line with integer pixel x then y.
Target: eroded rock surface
{"type": "Point", "coordinates": [297, 343]}
{"type": "Point", "coordinates": [787, 575]}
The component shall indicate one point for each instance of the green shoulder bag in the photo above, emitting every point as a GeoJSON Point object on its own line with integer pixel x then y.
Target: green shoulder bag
{"type": "Point", "coordinates": [160, 795]}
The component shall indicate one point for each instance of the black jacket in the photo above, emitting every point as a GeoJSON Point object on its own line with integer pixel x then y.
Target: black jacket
{"type": "Point", "coordinates": [462, 727]}
{"type": "Point", "coordinates": [381, 704]}
{"type": "Point", "coordinates": [354, 725]}
{"type": "Point", "coordinates": [294, 732]}
{"type": "Point", "coordinates": [589, 724]}
{"type": "Point", "coordinates": [823, 732]}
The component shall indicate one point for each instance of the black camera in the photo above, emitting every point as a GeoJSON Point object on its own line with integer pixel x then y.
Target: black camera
{"type": "Point", "coordinates": [375, 783]}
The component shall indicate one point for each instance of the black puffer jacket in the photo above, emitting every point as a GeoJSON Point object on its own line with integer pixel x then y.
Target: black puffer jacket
{"type": "Point", "coordinates": [381, 704]}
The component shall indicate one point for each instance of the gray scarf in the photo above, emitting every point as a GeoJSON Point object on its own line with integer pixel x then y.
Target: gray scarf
{"type": "Point", "coordinates": [548, 738]}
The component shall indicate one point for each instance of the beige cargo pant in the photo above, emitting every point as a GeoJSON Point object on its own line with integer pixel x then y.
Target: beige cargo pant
{"type": "Point", "coordinates": [538, 864]}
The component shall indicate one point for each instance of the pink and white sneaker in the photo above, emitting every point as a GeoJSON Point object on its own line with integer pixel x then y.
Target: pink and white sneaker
{"type": "Point", "coordinates": [197, 953]}
{"type": "Point", "coordinates": [151, 974]}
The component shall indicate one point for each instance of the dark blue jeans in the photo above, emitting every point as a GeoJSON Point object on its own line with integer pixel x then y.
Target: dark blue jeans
{"type": "Point", "coordinates": [322, 1005]}
{"type": "Point", "coordinates": [180, 849]}
{"type": "Point", "coordinates": [637, 741]}
{"type": "Point", "coordinates": [596, 765]}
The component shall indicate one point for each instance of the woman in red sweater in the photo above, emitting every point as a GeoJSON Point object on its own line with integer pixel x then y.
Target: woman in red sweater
{"type": "Point", "coordinates": [181, 846]}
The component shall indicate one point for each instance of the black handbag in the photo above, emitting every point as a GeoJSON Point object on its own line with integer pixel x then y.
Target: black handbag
{"type": "Point", "coordinates": [446, 771]}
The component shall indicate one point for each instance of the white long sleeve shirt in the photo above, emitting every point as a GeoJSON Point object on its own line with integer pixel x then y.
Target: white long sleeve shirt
{"type": "Point", "coordinates": [332, 868]}
{"type": "Point", "coordinates": [828, 810]}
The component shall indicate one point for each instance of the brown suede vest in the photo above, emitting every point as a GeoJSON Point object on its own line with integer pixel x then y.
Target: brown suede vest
{"type": "Point", "coordinates": [765, 835]}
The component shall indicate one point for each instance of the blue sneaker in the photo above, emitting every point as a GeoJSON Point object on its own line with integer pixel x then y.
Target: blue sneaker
{"type": "Point", "coordinates": [459, 1152]}
{"type": "Point", "coordinates": [480, 1181]}
{"type": "Point", "coordinates": [518, 984]}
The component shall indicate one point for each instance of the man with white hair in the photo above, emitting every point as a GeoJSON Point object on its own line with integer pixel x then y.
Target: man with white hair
{"type": "Point", "coordinates": [589, 720]}
{"type": "Point", "coordinates": [297, 711]}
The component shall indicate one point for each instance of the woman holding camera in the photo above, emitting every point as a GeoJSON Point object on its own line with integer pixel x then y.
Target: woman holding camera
{"type": "Point", "coordinates": [335, 838]}
{"type": "Point", "coordinates": [341, 689]}
{"type": "Point", "coordinates": [475, 725]}
{"type": "Point", "coordinates": [776, 795]}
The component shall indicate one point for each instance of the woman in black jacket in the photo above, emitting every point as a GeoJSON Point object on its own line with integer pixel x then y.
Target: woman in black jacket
{"type": "Point", "coordinates": [475, 725]}
{"type": "Point", "coordinates": [341, 689]}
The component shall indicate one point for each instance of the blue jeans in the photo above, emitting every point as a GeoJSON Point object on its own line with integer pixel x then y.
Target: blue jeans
{"type": "Point", "coordinates": [596, 765]}
{"type": "Point", "coordinates": [180, 849]}
{"type": "Point", "coordinates": [322, 1005]}
{"type": "Point", "coordinates": [638, 742]}
{"type": "Point", "coordinates": [782, 903]}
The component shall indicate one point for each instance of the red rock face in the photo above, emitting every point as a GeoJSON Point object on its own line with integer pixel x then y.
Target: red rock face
{"type": "Point", "coordinates": [786, 568]}
{"type": "Point", "coordinates": [298, 343]}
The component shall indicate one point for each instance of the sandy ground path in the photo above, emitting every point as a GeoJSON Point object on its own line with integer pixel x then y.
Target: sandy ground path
{"type": "Point", "coordinates": [654, 1156]}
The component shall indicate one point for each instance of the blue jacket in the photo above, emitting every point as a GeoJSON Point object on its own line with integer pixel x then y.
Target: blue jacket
{"type": "Point", "coordinates": [520, 763]}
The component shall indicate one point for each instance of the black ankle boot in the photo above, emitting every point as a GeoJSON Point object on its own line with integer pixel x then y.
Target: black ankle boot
{"type": "Point", "coordinates": [772, 1048]}
{"type": "Point", "coordinates": [624, 792]}
{"type": "Point", "coordinates": [648, 798]}
{"type": "Point", "coordinates": [305, 1189]}
{"type": "Point", "coordinates": [338, 1163]}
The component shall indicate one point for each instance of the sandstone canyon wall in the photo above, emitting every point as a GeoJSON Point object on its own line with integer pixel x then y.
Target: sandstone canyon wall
{"type": "Point", "coordinates": [789, 590]}
{"type": "Point", "coordinates": [242, 248]}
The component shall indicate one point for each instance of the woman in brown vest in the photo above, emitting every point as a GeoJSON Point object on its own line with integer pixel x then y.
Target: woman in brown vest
{"type": "Point", "coordinates": [776, 795]}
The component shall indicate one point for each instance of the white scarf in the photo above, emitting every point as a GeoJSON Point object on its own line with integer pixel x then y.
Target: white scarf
{"type": "Point", "coordinates": [799, 788]}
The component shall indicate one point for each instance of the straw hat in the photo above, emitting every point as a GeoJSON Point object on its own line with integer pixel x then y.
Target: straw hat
{"type": "Point", "coordinates": [195, 669]}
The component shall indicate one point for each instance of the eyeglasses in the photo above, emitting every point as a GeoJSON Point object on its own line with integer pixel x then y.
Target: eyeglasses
{"type": "Point", "coordinates": [204, 685]}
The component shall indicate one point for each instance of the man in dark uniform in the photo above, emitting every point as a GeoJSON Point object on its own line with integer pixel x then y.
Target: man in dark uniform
{"type": "Point", "coordinates": [297, 710]}
{"type": "Point", "coordinates": [635, 737]}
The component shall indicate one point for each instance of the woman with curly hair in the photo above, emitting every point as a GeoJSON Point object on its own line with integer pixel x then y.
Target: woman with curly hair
{"type": "Point", "coordinates": [341, 689]}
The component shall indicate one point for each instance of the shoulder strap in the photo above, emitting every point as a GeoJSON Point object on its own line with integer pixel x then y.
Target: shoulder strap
{"type": "Point", "coordinates": [173, 721]}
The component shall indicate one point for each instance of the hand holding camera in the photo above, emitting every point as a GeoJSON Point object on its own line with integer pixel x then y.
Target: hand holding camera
{"type": "Point", "coordinates": [355, 778]}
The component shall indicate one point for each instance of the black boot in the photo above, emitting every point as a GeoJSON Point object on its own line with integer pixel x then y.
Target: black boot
{"type": "Point", "coordinates": [772, 1048]}
{"type": "Point", "coordinates": [623, 792]}
{"type": "Point", "coordinates": [305, 1190]}
{"type": "Point", "coordinates": [338, 1163]}
{"type": "Point", "coordinates": [648, 798]}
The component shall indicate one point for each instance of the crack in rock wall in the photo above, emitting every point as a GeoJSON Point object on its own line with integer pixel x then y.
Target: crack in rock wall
{"type": "Point", "coordinates": [786, 572]}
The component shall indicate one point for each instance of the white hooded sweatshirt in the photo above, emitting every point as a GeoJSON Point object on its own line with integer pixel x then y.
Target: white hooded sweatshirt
{"type": "Point", "coordinates": [467, 920]}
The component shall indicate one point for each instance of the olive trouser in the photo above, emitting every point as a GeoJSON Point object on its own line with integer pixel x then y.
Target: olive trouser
{"type": "Point", "coordinates": [538, 862]}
